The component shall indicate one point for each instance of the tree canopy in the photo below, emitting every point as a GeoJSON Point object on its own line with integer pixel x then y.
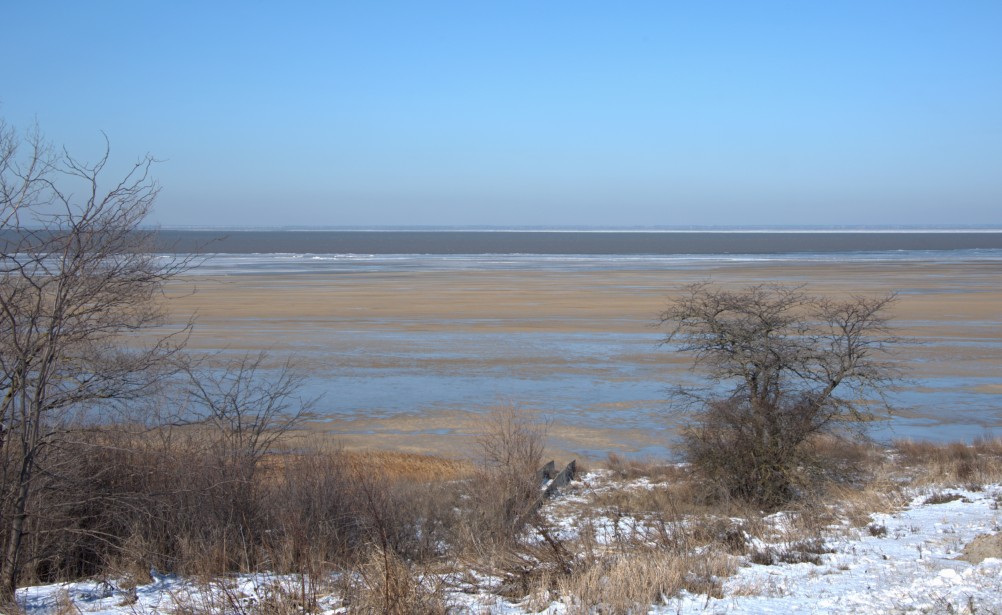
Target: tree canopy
{"type": "Point", "coordinates": [782, 366]}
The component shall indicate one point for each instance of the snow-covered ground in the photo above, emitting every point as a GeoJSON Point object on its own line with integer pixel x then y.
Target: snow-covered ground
{"type": "Point", "coordinates": [908, 563]}
{"type": "Point", "coordinates": [913, 568]}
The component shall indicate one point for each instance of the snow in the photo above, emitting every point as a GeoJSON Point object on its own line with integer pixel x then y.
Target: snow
{"type": "Point", "coordinates": [911, 566]}
{"type": "Point", "coordinates": [163, 595]}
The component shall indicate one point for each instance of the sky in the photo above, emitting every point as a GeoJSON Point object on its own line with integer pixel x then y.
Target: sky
{"type": "Point", "coordinates": [526, 113]}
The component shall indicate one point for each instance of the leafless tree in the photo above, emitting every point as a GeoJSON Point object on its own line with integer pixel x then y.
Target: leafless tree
{"type": "Point", "coordinates": [243, 407]}
{"type": "Point", "coordinates": [783, 367]}
{"type": "Point", "coordinates": [246, 408]}
{"type": "Point", "coordinates": [80, 285]}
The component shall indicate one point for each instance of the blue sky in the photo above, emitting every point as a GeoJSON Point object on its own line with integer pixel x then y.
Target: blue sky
{"type": "Point", "coordinates": [527, 113]}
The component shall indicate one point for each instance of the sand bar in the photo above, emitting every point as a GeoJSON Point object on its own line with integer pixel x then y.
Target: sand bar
{"type": "Point", "coordinates": [551, 335]}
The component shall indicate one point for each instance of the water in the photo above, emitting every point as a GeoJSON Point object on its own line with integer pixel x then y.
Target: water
{"type": "Point", "coordinates": [609, 243]}
{"type": "Point", "coordinates": [289, 263]}
{"type": "Point", "coordinates": [375, 369]}
{"type": "Point", "coordinates": [338, 251]}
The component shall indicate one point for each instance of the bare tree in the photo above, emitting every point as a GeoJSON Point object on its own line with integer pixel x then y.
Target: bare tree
{"type": "Point", "coordinates": [79, 281]}
{"type": "Point", "coordinates": [783, 366]}
{"type": "Point", "coordinates": [243, 406]}
{"type": "Point", "coordinates": [246, 409]}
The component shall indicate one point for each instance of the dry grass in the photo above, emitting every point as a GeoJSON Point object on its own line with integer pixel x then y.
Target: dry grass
{"type": "Point", "coordinates": [271, 597]}
{"type": "Point", "coordinates": [956, 463]}
{"type": "Point", "coordinates": [392, 466]}
{"type": "Point", "coordinates": [881, 493]}
{"type": "Point", "coordinates": [388, 465]}
{"type": "Point", "coordinates": [386, 583]}
{"type": "Point", "coordinates": [628, 468]}
{"type": "Point", "coordinates": [631, 583]}
{"type": "Point", "coordinates": [645, 526]}
{"type": "Point", "coordinates": [393, 522]}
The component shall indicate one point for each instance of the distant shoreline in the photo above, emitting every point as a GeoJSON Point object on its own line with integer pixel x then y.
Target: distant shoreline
{"type": "Point", "coordinates": [973, 228]}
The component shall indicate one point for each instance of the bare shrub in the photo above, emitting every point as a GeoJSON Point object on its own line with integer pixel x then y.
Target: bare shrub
{"type": "Point", "coordinates": [233, 415]}
{"type": "Point", "coordinates": [530, 568]}
{"type": "Point", "coordinates": [944, 497]}
{"type": "Point", "coordinates": [724, 533]}
{"type": "Point", "coordinates": [843, 461]}
{"type": "Point", "coordinates": [386, 583]}
{"type": "Point", "coordinates": [504, 493]}
{"type": "Point", "coordinates": [807, 551]}
{"type": "Point", "coordinates": [155, 499]}
{"type": "Point", "coordinates": [877, 530]}
{"type": "Point", "coordinates": [123, 503]}
{"type": "Point", "coordinates": [778, 361]}
{"type": "Point", "coordinates": [413, 520]}
{"type": "Point", "coordinates": [313, 509]}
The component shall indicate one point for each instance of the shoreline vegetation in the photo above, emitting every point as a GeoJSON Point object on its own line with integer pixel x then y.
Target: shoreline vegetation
{"type": "Point", "coordinates": [347, 420]}
{"type": "Point", "coordinates": [327, 521]}
{"type": "Point", "coordinates": [329, 530]}
{"type": "Point", "coordinates": [334, 522]}
{"type": "Point", "coordinates": [353, 515]}
{"type": "Point", "coordinates": [162, 459]}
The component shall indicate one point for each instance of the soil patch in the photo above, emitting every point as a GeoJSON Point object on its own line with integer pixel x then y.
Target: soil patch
{"type": "Point", "coordinates": [982, 548]}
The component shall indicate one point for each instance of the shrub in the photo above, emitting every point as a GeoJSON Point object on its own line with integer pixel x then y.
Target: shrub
{"type": "Point", "coordinates": [505, 493]}
{"type": "Point", "coordinates": [778, 362]}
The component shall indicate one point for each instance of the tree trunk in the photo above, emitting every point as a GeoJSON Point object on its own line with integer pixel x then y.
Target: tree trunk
{"type": "Point", "coordinates": [11, 567]}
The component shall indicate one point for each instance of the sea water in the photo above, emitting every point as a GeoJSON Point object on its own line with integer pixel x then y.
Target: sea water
{"type": "Point", "coordinates": [379, 373]}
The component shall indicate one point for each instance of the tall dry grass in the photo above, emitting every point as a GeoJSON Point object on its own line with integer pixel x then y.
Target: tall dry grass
{"type": "Point", "coordinates": [392, 523]}
{"type": "Point", "coordinates": [503, 495]}
{"type": "Point", "coordinates": [648, 529]}
{"type": "Point", "coordinates": [955, 463]}
{"type": "Point", "coordinates": [139, 499]}
{"type": "Point", "coordinates": [386, 583]}
{"type": "Point", "coordinates": [632, 582]}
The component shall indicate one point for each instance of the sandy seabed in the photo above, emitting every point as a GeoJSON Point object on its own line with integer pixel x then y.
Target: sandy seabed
{"type": "Point", "coordinates": [412, 360]}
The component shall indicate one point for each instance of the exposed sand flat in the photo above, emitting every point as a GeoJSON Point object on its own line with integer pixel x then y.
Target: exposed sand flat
{"type": "Point", "coordinates": [608, 300]}
{"type": "Point", "coordinates": [953, 309]}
